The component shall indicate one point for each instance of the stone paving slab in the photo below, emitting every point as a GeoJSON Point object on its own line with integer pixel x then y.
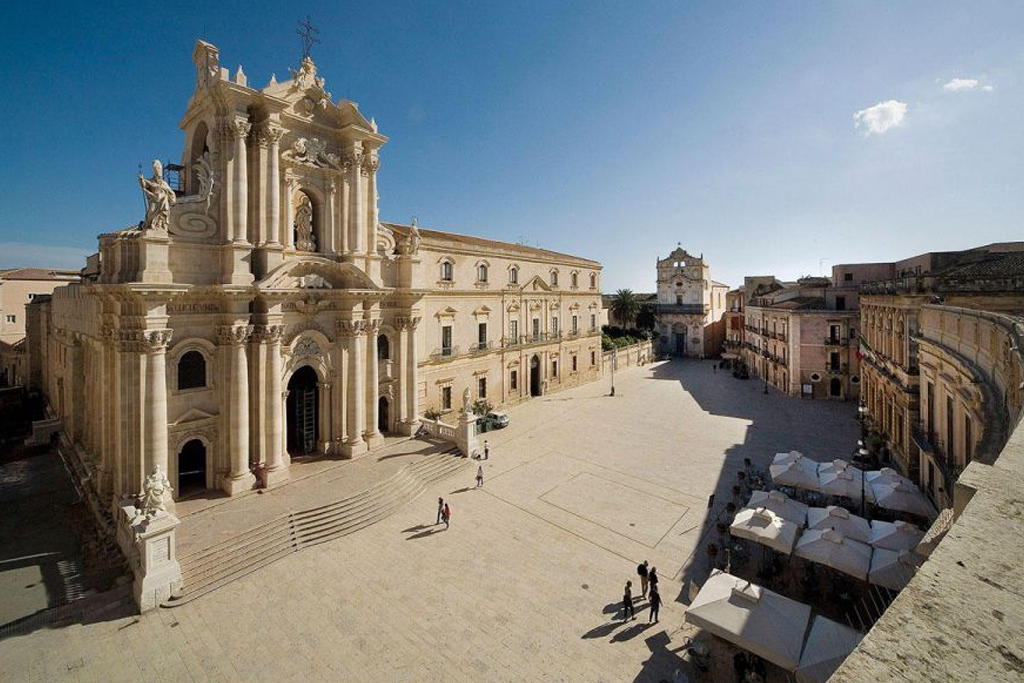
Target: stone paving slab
{"type": "Point", "coordinates": [517, 589]}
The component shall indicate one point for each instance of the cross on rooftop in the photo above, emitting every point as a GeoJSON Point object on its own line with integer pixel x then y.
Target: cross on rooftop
{"type": "Point", "coordinates": [308, 33]}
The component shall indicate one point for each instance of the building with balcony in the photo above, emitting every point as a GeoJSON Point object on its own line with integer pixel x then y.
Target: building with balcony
{"type": "Point", "coordinates": [690, 306]}
{"type": "Point", "coordinates": [989, 278]}
{"type": "Point", "coordinates": [261, 311]}
{"type": "Point", "coordinates": [801, 337]}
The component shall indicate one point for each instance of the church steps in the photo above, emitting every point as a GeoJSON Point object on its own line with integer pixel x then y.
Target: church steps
{"type": "Point", "coordinates": [205, 570]}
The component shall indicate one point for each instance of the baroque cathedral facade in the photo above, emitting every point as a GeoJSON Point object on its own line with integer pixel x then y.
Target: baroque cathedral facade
{"type": "Point", "coordinates": [262, 311]}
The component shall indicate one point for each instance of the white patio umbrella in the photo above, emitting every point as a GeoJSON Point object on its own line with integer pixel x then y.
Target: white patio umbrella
{"type": "Point", "coordinates": [886, 475]}
{"type": "Point", "coordinates": [895, 536]}
{"type": "Point", "coordinates": [781, 504]}
{"type": "Point", "coordinates": [765, 527]}
{"type": "Point", "coordinates": [837, 465]}
{"type": "Point", "coordinates": [839, 518]}
{"type": "Point", "coordinates": [828, 644]}
{"type": "Point", "coordinates": [828, 547]}
{"type": "Point", "coordinates": [793, 469]}
{"type": "Point", "coordinates": [893, 568]}
{"type": "Point", "coordinates": [903, 498]}
{"type": "Point", "coordinates": [844, 482]}
{"type": "Point", "coordinates": [756, 619]}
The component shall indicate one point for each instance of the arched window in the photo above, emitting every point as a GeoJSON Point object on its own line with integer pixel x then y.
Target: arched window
{"type": "Point", "coordinates": [481, 272]}
{"type": "Point", "coordinates": [513, 275]}
{"type": "Point", "coordinates": [191, 370]}
{"type": "Point", "coordinates": [554, 278]}
{"type": "Point", "coordinates": [447, 271]}
{"type": "Point", "coordinates": [383, 347]}
{"type": "Point", "coordinates": [574, 279]}
{"type": "Point", "coordinates": [593, 280]}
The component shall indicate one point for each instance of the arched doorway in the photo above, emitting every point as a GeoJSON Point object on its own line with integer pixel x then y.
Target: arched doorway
{"type": "Point", "coordinates": [383, 418]}
{"type": "Point", "coordinates": [835, 387]}
{"type": "Point", "coordinates": [192, 468]}
{"type": "Point", "coordinates": [535, 387]}
{"type": "Point", "coordinates": [303, 412]}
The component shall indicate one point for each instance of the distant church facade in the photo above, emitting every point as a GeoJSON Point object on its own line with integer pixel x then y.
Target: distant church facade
{"type": "Point", "coordinates": [262, 311]}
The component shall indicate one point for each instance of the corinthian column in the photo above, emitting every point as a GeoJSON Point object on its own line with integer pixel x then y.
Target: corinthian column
{"type": "Point", "coordinates": [241, 182]}
{"type": "Point", "coordinates": [354, 332]}
{"type": "Point", "coordinates": [410, 382]}
{"type": "Point", "coordinates": [240, 477]}
{"type": "Point", "coordinates": [154, 344]}
{"type": "Point", "coordinates": [276, 470]}
{"type": "Point", "coordinates": [357, 206]}
{"type": "Point", "coordinates": [372, 434]}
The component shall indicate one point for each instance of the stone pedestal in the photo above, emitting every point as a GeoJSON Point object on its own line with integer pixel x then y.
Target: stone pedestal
{"type": "Point", "coordinates": [465, 437]}
{"type": "Point", "coordinates": [152, 555]}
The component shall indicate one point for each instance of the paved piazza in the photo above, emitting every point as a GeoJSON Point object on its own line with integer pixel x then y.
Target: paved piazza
{"type": "Point", "coordinates": [524, 585]}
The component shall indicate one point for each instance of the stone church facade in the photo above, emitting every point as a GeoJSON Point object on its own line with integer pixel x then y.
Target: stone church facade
{"type": "Point", "coordinates": [262, 311]}
{"type": "Point", "coordinates": [690, 306]}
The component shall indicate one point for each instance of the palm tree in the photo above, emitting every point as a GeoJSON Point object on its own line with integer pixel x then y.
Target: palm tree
{"type": "Point", "coordinates": [624, 307]}
{"type": "Point", "coordinates": [647, 317]}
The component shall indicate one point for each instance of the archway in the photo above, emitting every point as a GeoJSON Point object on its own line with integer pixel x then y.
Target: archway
{"type": "Point", "coordinates": [383, 418]}
{"type": "Point", "coordinates": [192, 468]}
{"type": "Point", "coordinates": [535, 387]}
{"type": "Point", "coordinates": [303, 412]}
{"type": "Point", "coordinates": [835, 387]}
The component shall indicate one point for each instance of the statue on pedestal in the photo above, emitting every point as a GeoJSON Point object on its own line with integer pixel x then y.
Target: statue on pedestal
{"type": "Point", "coordinates": [159, 197]}
{"type": "Point", "coordinates": [466, 407]}
{"type": "Point", "coordinates": [305, 240]}
{"type": "Point", "coordinates": [153, 491]}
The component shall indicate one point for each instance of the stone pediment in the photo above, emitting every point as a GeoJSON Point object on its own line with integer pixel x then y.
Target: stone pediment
{"type": "Point", "coordinates": [536, 284]}
{"type": "Point", "coordinates": [306, 97]}
{"type": "Point", "coordinates": [193, 416]}
{"type": "Point", "coordinates": [315, 272]}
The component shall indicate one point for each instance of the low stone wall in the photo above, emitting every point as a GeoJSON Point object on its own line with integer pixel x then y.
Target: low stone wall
{"type": "Point", "coordinates": [640, 353]}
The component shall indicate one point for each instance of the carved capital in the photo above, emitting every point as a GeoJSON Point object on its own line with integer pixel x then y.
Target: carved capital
{"type": "Point", "coordinates": [407, 322]}
{"type": "Point", "coordinates": [274, 134]}
{"type": "Point", "coordinates": [372, 327]}
{"type": "Point", "coordinates": [155, 341]}
{"type": "Point", "coordinates": [370, 163]}
{"type": "Point", "coordinates": [233, 334]}
{"type": "Point", "coordinates": [268, 333]}
{"type": "Point", "coordinates": [350, 328]}
{"type": "Point", "coordinates": [353, 160]}
{"type": "Point", "coordinates": [242, 128]}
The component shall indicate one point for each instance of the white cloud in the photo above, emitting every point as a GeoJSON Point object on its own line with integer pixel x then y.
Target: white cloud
{"type": "Point", "coordinates": [880, 118]}
{"type": "Point", "coordinates": [961, 84]}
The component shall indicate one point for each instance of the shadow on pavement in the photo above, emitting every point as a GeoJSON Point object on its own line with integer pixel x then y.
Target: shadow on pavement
{"type": "Point", "coordinates": [631, 632]}
{"type": "Point", "coordinates": [663, 662]}
{"type": "Point", "coordinates": [428, 532]}
{"type": "Point", "coordinates": [602, 630]}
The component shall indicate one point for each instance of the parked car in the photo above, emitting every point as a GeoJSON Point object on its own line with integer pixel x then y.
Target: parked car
{"type": "Point", "coordinates": [499, 420]}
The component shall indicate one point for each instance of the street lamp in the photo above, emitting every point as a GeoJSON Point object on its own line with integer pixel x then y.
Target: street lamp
{"type": "Point", "coordinates": [615, 358]}
{"type": "Point", "coordinates": [863, 453]}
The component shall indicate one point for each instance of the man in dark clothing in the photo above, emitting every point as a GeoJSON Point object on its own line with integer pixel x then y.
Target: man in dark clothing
{"type": "Point", "coordinates": [652, 578]}
{"type": "Point", "coordinates": [446, 515]}
{"type": "Point", "coordinates": [655, 605]}
{"type": "Point", "coordinates": [641, 569]}
{"type": "Point", "coordinates": [440, 509]}
{"type": "Point", "coordinates": [627, 603]}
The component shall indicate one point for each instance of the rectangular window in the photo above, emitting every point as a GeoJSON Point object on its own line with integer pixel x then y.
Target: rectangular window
{"type": "Point", "coordinates": [575, 324]}
{"type": "Point", "coordinates": [481, 273]}
{"type": "Point", "coordinates": [12, 318]}
{"type": "Point", "coordinates": [446, 340]}
{"type": "Point", "coordinates": [833, 361]}
{"type": "Point", "coordinates": [481, 387]}
{"type": "Point", "coordinates": [949, 426]}
{"type": "Point", "coordinates": [536, 329]}
{"type": "Point", "coordinates": [834, 333]}
{"type": "Point", "coordinates": [481, 335]}
{"type": "Point", "coordinates": [840, 303]}
{"type": "Point", "coordinates": [847, 277]}
{"type": "Point", "coordinates": [446, 271]}
{"type": "Point", "coordinates": [554, 368]}
{"type": "Point", "coordinates": [513, 331]}
{"type": "Point", "coordinates": [593, 359]}
{"type": "Point", "coordinates": [968, 440]}
{"type": "Point", "coordinates": [930, 422]}
{"type": "Point", "coordinates": [446, 398]}
{"type": "Point", "coordinates": [554, 325]}
{"type": "Point", "coordinates": [513, 380]}
{"type": "Point", "coordinates": [574, 363]}
{"type": "Point", "coordinates": [593, 321]}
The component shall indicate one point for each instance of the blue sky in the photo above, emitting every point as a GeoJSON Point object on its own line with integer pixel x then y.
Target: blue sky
{"type": "Point", "coordinates": [608, 130]}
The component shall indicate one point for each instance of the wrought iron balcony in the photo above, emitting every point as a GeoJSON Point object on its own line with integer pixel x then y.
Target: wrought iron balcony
{"type": "Point", "coordinates": [444, 353]}
{"type": "Point", "coordinates": [836, 341]}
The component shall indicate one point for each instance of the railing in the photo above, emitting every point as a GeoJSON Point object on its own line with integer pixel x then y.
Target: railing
{"type": "Point", "coordinates": [481, 346]}
{"type": "Point", "coordinates": [438, 429]}
{"type": "Point", "coordinates": [781, 336]}
{"type": "Point", "coordinates": [840, 369]}
{"type": "Point", "coordinates": [445, 352]}
{"type": "Point", "coordinates": [836, 341]}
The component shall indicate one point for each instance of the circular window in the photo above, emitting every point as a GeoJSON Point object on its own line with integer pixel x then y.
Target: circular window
{"type": "Point", "coordinates": [855, 380]}
{"type": "Point", "coordinates": [815, 377]}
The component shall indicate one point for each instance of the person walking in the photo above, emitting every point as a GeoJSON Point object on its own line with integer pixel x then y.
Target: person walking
{"type": "Point", "coordinates": [479, 476]}
{"type": "Point", "coordinates": [652, 578]}
{"type": "Point", "coordinates": [655, 605]}
{"type": "Point", "coordinates": [641, 569]}
{"type": "Point", "coordinates": [487, 449]}
{"type": "Point", "coordinates": [627, 603]}
{"type": "Point", "coordinates": [446, 516]}
{"type": "Point", "coordinates": [440, 510]}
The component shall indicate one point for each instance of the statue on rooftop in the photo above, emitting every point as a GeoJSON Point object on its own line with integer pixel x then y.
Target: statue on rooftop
{"type": "Point", "coordinates": [159, 197]}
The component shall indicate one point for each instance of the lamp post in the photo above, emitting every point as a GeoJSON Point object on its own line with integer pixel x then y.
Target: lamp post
{"type": "Point", "coordinates": [615, 358]}
{"type": "Point", "coordinates": [863, 453]}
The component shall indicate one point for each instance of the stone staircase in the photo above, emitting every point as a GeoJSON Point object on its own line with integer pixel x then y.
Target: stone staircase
{"type": "Point", "coordinates": [206, 570]}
